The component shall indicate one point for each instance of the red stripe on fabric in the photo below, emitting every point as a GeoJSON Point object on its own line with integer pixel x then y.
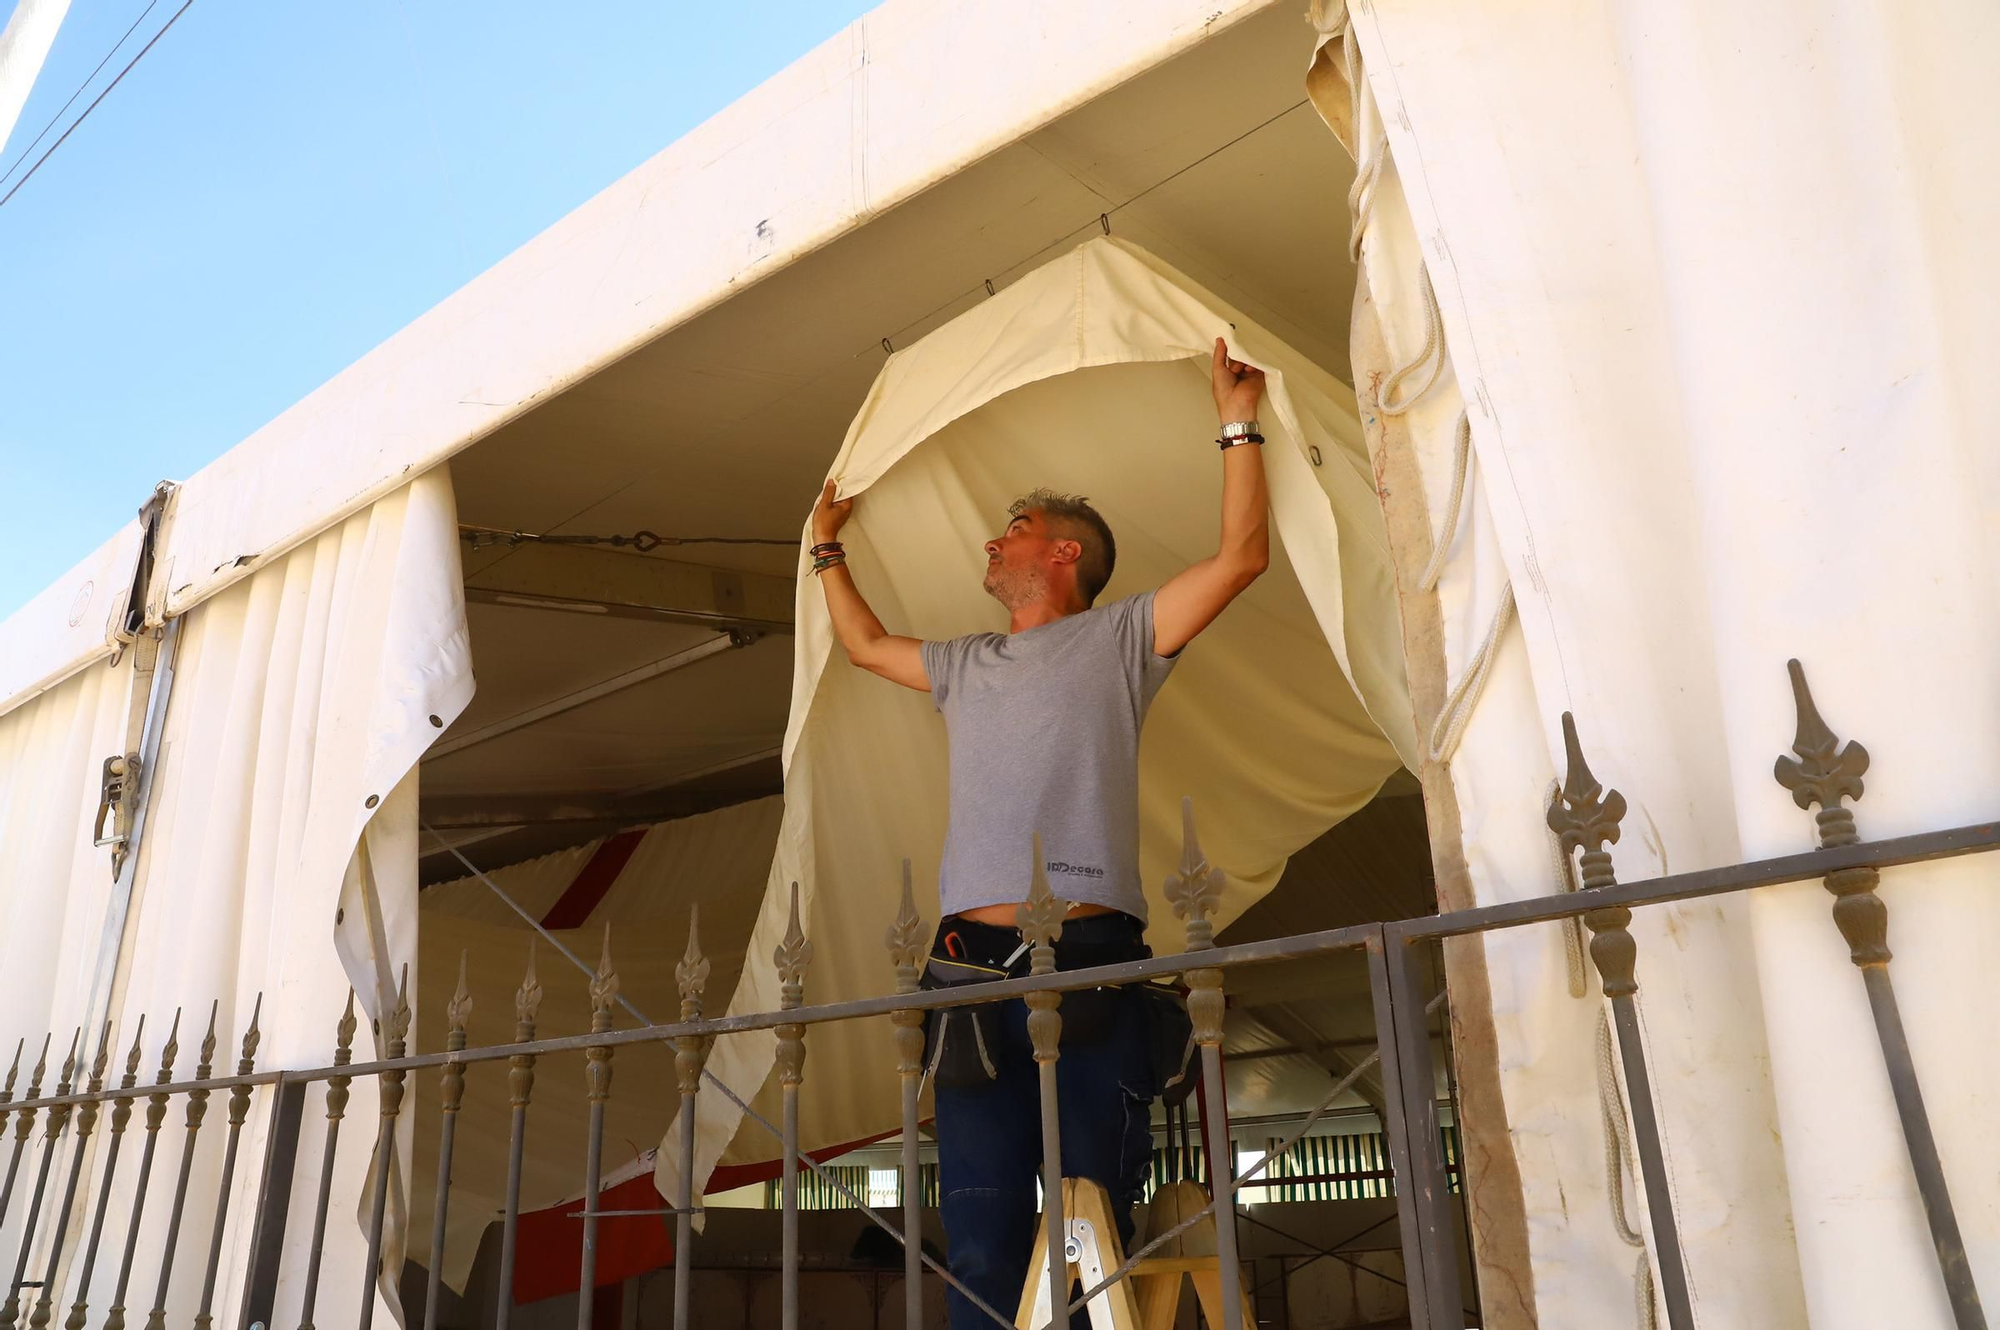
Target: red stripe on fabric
{"type": "Point", "coordinates": [550, 1244]}
{"type": "Point", "coordinates": [731, 1176]}
{"type": "Point", "coordinates": [592, 881]}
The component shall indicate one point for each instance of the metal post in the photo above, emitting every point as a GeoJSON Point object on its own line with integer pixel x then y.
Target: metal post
{"type": "Point", "coordinates": [1423, 1193]}
{"type": "Point", "coordinates": [239, 1108]}
{"type": "Point", "coordinates": [793, 955]}
{"type": "Point", "coordinates": [520, 1086]}
{"type": "Point", "coordinates": [1586, 818]}
{"type": "Point", "coordinates": [1824, 773]}
{"type": "Point", "coordinates": [1040, 919]}
{"type": "Point", "coordinates": [197, 1109]}
{"type": "Point", "coordinates": [121, 1113]}
{"type": "Point", "coordinates": [690, 1056]}
{"type": "Point", "coordinates": [86, 1119]}
{"type": "Point", "coordinates": [597, 1076]}
{"type": "Point", "coordinates": [156, 1114]}
{"type": "Point", "coordinates": [396, 1027]}
{"type": "Point", "coordinates": [451, 1092]}
{"type": "Point", "coordinates": [336, 1109]}
{"type": "Point", "coordinates": [906, 947]}
{"type": "Point", "coordinates": [10, 1315]}
{"type": "Point", "coordinates": [274, 1203]}
{"type": "Point", "coordinates": [1195, 890]}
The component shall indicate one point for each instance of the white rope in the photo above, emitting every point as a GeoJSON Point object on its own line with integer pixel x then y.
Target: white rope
{"type": "Point", "coordinates": [1617, 1164]}
{"type": "Point", "coordinates": [1361, 198]}
{"type": "Point", "coordinates": [1461, 462]}
{"type": "Point", "coordinates": [1431, 354]}
{"type": "Point", "coordinates": [1367, 160]}
{"type": "Point", "coordinates": [1617, 1139]}
{"type": "Point", "coordinates": [1452, 717]}
{"type": "Point", "coordinates": [1572, 927]}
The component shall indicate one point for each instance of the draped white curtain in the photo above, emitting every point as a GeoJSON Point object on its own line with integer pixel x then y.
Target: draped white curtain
{"type": "Point", "coordinates": [279, 860]}
{"type": "Point", "coordinates": [1716, 288]}
{"type": "Point", "coordinates": [1089, 374]}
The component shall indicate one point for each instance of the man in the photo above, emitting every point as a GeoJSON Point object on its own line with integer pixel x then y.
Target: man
{"type": "Point", "coordinates": [1043, 723]}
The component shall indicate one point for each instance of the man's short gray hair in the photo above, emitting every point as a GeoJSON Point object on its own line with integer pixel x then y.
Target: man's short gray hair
{"type": "Point", "coordinates": [1072, 517]}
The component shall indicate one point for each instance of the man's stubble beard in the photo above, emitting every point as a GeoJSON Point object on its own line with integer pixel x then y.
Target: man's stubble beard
{"type": "Point", "coordinates": [1014, 588]}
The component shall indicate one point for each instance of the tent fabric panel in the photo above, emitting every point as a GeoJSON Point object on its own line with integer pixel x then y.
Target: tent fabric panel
{"type": "Point", "coordinates": [1714, 391]}
{"type": "Point", "coordinates": [280, 848]}
{"type": "Point", "coordinates": [1090, 373]}
{"type": "Point", "coordinates": [55, 882]}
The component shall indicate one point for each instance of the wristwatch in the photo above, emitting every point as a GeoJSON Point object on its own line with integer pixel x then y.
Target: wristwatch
{"type": "Point", "coordinates": [1237, 429]}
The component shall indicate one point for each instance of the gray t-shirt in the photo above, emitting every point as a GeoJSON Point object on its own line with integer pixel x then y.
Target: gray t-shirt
{"type": "Point", "coordinates": [1044, 733]}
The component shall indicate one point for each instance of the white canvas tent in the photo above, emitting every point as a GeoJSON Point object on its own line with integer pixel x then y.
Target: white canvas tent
{"type": "Point", "coordinates": [1710, 286]}
{"type": "Point", "coordinates": [1708, 291]}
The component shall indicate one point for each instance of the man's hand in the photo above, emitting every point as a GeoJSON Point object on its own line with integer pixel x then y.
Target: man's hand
{"type": "Point", "coordinates": [869, 645]}
{"type": "Point", "coordinates": [829, 515]}
{"type": "Point", "coordinates": [1238, 387]}
{"type": "Point", "coordinates": [1192, 598]}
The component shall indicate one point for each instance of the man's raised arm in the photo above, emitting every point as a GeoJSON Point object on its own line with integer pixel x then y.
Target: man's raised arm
{"type": "Point", "coordinates": [869, 644]}
{"type": "Point", "coordinates": [1191, 599]}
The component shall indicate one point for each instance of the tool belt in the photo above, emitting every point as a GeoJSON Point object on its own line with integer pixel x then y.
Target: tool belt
{"type": "Point", "coordinates": [962, 1044]}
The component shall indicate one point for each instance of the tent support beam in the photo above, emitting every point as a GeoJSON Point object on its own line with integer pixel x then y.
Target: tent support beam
{"type": "Point", "coordinates": [579, 579]}
{"type": "Point", "coordinates": [604, 688]}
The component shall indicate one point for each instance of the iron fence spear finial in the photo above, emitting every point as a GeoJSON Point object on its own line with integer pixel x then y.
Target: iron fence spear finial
{"type": "Point", "coordinates": [792, 956]}
{"type": "Point", "coordinates": [239, 1109]}
{"type": "Point", "coordinates": [690, 1056]}
{"type": "Point", "coordinates": [131, 1077]}
{"type": "Point", "coordinates": [597, 1077]}
{"type": "Point", "coordinates": [451, 1094]}
{"type": "Point", "coordinates": [1040, 919]}
{"type": "Point", "coordinates": [1827, 772]}
{"type": "Point", "coordinates": [458, 1011]}
{"type": "Point", "coordinates": [1586, 817]}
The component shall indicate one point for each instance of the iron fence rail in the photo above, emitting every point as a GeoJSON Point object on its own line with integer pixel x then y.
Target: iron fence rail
{"type": "Point", "coordinates": [1823, 774]}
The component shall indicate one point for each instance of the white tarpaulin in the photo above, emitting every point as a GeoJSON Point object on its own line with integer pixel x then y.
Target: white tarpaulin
{"type": "Point", "coordinates": [1090, 375]}
{"type": "Point", "coordinates": [282, 819]}
{"type": "Point", "coordinates": [1715, 287]}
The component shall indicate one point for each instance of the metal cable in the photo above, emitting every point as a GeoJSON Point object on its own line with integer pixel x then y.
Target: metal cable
{"type": "Point", "coordinates": [479, 537]}
{"type": "Point", "coordinates": [94, 104]}
{"type": "Point", "coordinates": [11, 166]}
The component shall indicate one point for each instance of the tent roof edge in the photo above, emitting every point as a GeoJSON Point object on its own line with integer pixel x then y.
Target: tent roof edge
{"type": "Point", "coordinates": [783, 178]}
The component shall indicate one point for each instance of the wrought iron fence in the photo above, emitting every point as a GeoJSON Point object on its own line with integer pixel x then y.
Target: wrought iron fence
{"type": "Point", "coordinates": [1822, 773]}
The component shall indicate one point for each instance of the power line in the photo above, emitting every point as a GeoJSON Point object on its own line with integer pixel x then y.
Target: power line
{"type": "Point", "coordinates": [94, 103]}
{"type": "Point", "coordinates": [150, 4]}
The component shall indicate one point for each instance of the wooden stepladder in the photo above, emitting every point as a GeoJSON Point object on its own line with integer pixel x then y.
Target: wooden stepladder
{"type": "Point", "coordinates": [1149, 1297]}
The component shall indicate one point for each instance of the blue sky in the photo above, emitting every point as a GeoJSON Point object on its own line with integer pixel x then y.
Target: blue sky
{"type": "Point", "coordinates": [281, 184]}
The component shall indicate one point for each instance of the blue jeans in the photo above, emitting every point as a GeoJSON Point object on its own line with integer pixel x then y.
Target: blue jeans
{"type": "Point", "coordinates": [990, 1135]}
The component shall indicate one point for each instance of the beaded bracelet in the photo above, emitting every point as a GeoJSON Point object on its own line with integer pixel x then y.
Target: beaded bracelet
{"type": "Point", "coordinates": [826, 547]}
